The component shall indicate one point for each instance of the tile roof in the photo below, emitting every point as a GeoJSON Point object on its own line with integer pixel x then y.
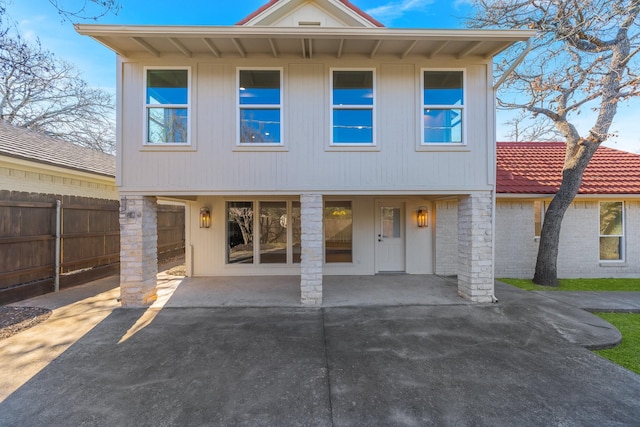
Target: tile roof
{"type": "Point", "coordinates": [347, 3]}
{"type": "Point", "coordinates": [34, 146]}
{"type": "Point", "coordinates": [536, 168]}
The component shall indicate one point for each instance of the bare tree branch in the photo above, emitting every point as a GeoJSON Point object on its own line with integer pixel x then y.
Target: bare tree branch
{"type": "Point", "coordinates": [585, 56]}
{"type": "Point", "coordinates": [47, 95]}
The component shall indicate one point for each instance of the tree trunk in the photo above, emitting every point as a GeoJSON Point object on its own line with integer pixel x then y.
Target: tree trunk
{"type": "Point", "coordinates": [576, 161]}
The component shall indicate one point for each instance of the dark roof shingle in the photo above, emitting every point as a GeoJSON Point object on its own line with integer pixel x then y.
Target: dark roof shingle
{"type": "Point", "coordinates": [34, 146]}
{"type": "Point", "coordinates": [536, 168]}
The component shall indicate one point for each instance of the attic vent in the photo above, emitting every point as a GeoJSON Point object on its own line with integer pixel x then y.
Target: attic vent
{"type": "Point", "coordinates": [309, 23]}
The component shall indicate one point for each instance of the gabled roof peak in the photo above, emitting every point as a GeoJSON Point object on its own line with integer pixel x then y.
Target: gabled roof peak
{"type": "Point", "coordinates": [323, 13]}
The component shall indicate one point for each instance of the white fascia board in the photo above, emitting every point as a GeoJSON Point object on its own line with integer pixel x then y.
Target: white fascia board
{"type": "Point", "coordinates": [100, 30]}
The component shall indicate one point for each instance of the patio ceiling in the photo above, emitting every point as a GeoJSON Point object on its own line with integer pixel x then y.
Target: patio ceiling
{"type": "Point", "coordinates": [248, 42]}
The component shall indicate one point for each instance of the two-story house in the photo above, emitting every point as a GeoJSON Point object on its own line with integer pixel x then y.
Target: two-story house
{"type": "Point", "coordinates": [308, 140]}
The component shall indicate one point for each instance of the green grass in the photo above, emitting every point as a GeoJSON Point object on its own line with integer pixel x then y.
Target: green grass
{"type": "Point", "coordinates": [579, 285]}
{"type": "Point", "coordinates": [627, 354]}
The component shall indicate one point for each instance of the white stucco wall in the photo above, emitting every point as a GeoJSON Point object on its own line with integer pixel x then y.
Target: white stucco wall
{"type": "Point", "coordinates": [516, 246]}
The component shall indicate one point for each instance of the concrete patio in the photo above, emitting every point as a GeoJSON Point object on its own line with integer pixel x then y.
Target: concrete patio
{"type": "Point", "coordinates": [391, 350]}
{"type": "Point", "coordinates": [284, 291]}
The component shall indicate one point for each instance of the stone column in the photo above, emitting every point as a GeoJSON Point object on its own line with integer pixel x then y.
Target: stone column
{"type": "Point", "coordinates": [475, 247]}
{"type": "Point", "coordinates": [138, 251]}
{"type": "Point", "coordinates": [311, 242]}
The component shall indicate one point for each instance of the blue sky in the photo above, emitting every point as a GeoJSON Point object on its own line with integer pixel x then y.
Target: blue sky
{"type": "Point", "coordinates": [38, 19]}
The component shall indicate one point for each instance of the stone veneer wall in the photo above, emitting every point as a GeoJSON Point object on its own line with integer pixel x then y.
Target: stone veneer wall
{"type": "Point", "coordinates": [475, 247]}
{"type": "Point", "coordinates": [138, 251]}
{"type": "Point", "coordinates": [311, 242]}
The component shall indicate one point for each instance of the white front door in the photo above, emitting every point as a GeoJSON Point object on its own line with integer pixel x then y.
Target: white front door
{"type": "Point", "coordinates": [390, 239]}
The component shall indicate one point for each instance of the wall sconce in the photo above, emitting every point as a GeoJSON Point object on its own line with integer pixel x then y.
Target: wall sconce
{"type": "Point", "coordinates": [423, 217]}
{"type": "Point", "coordinates": [205, 218]}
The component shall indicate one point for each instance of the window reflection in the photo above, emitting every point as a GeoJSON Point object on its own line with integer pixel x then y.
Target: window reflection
{"type": "Point", "coordinates": [273, 232]}
{"type": "Point", "coordinates": [259, 95]}
{"type": "Point", "coordinates": [443, 99]}
{"type": "Point", "coordinates": [352, 107]}
{"type": "Point", "coordinates": [338, 231]}
{"type": "Point", "coordinates": [240, 232]}
{"type": "Point", "coordinates": [167, 98]}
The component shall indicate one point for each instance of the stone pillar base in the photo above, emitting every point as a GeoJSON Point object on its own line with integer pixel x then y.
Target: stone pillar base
{"type": "Point", "coordinates": [475, 247]}
{"type": "Point", "coordinates": [311, 242]}
{"type": "Point", "coordinates": [138, 251]}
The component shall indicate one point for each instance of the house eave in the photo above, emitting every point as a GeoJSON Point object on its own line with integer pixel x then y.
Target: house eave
{"type": "Point", "coordinates": [158, 41]}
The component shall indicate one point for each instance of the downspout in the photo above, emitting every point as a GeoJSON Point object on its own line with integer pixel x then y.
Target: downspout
{"type": "Point", "coordinates": [496, 86]}
{"type": "Point", "coordinates": [56, 281]}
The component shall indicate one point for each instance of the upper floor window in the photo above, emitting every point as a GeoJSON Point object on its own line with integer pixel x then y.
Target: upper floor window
{"type": "Point", "coordinates": [443, 107]}
{"type": "Point", "coordinates": [260, 106]}
{"type": "Point", "coordinates": [611, 231]}
{"type": "Point", "coordinates": [167, 106]}
{"type": "Point", "coordinates": [352, 107]}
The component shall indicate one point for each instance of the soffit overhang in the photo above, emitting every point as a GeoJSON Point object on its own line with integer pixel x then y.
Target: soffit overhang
{"type": "Point", "coordinates": [248, 42]}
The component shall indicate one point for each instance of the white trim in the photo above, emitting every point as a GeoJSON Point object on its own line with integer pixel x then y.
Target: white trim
{"type": "Point", "coordinates": [543, 211]}
{"type": "Point", "coordinates": [260, 146]}
{"type": "Point", "coordinates": [146, 145]}
{"type": "Point", "coordinates": [350, 200]}
{"type": "Point", "coordinates": [424, 146]}
{"type": "Point", "coordinates": [354, 146]}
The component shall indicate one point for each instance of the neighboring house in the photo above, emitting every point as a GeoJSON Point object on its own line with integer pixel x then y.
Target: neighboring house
{"type": "Point", "coordinates": [32, 162]}
{"type": "Point", "coordinates": [600, 234]}
{"type": "Point", "coordinates": [308, 140]}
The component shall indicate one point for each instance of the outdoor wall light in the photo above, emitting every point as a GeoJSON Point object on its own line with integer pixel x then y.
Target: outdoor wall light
{"type": "Point", "coordinates": [205, 218]}
{"type": "Point", "coordinates": [423, 217]}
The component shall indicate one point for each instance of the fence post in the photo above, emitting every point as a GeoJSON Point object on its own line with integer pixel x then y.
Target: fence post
{"type": "Point", "coordinates": [56, 286]}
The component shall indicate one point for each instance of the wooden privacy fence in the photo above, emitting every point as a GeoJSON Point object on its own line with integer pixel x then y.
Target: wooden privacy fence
{"type": "Point", "coordinates": [77, 237]}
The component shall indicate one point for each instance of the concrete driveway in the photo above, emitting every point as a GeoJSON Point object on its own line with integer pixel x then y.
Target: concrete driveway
{"type": "Point", "coordinates": [518, 362]}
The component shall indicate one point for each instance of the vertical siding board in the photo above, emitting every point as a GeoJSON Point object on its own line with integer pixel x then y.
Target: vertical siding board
{"type": "Point", "coordinates": [307, 164]}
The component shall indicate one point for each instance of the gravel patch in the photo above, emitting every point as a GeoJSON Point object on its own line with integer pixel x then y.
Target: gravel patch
{"type": "Point", "coordinates": [16, 319]}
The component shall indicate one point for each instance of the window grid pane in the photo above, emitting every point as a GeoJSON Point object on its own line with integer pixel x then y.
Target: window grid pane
{"type": "Point", "coordinates": [259, 125]}
{"type": "Point", "coordinates": [167, 125]}
{"type": "Point", "coordinates": [442, 125]}
{"type": "Point", "coordinates": [353, 126]}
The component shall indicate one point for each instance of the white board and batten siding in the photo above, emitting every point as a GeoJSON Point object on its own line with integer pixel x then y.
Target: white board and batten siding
{"type": "Point", "coordinates": [212, 164]}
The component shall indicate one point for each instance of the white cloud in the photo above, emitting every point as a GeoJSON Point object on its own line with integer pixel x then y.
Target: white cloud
{"type": "Point", "coordinates": [395, 9]}
{"type": "Point", "coordinates": [28, 27]}
{"type": "Point", "coordinates": [458, 4]}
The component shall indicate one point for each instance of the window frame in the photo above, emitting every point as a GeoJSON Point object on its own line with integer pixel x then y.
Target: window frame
{"type": "Point", "coordinates": [259, 146]}
{"type": "Point", "coordinates": [444, 145]}
{"type": "Point", "coordinates": [325, 261]}
{"type": "Point", "coordinates": [621, 236]}
{"type": "Point", "coordinates": [145, 126]}
{"type": "Point", "coordinates": [349, 146]}
{"type": "Point", "coordinates": [256, 206]}
{"type": "Point", "coordinates": [542, 210]}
